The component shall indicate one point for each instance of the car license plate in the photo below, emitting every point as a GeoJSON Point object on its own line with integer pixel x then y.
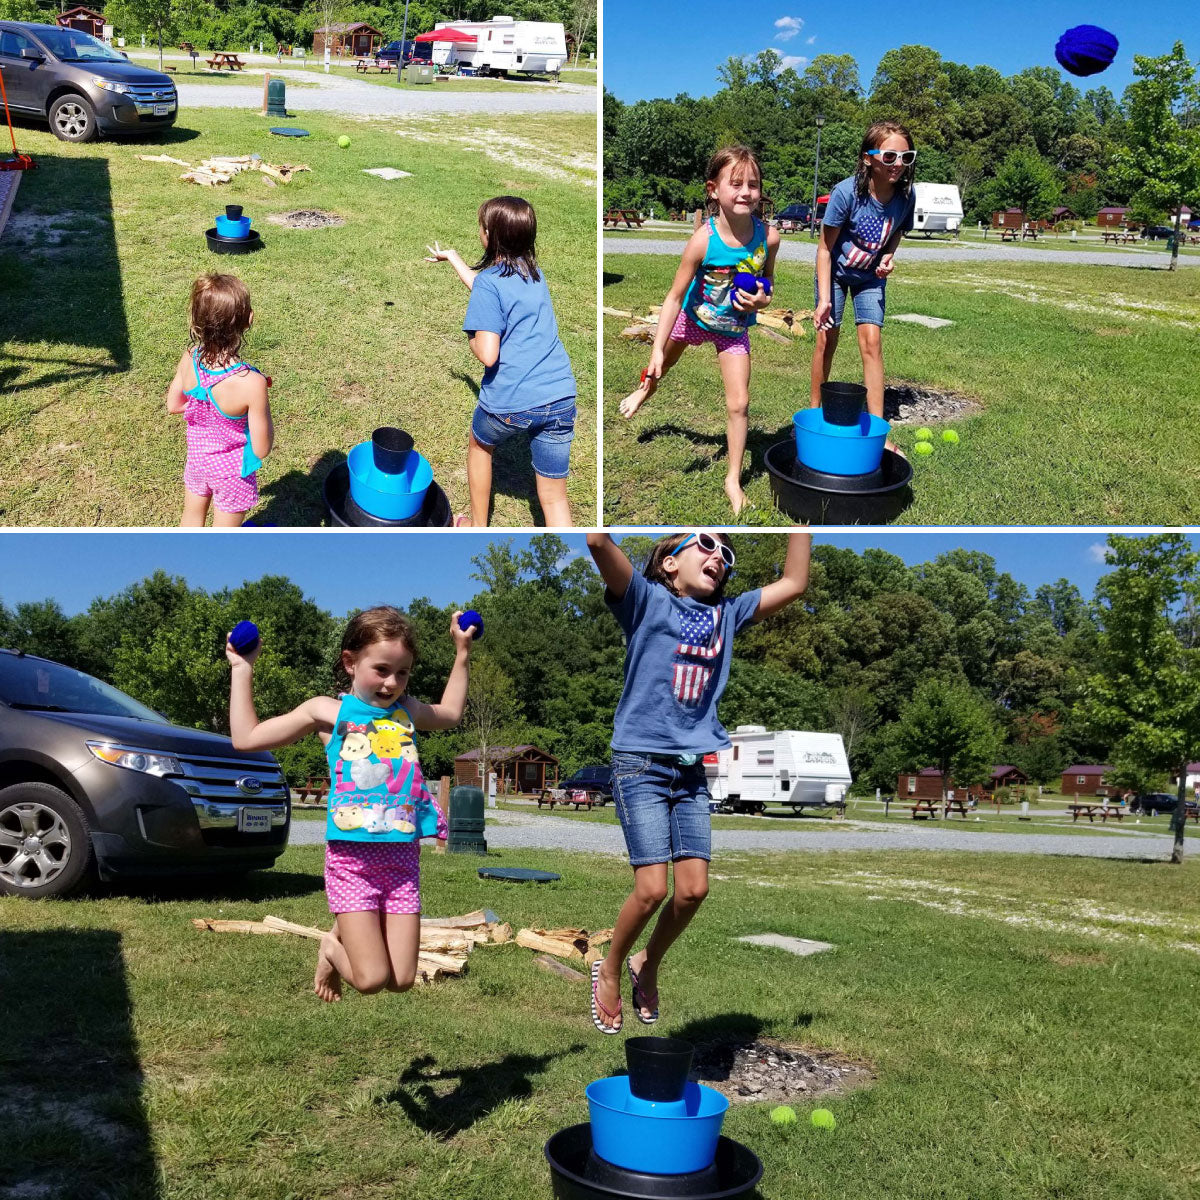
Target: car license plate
{"type": "Point", "coordinates": [163, 110]}
{"type": "Point", "coordinates": [255, 820]}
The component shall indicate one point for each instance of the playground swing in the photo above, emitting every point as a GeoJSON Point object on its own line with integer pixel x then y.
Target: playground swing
{"type": "Point", "coordinates": [18, 161]}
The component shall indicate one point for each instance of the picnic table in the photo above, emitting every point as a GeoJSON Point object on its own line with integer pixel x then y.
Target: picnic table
{"type": "Point", "coordinates": [314, 791]}
{"type": "Point", "coordinates": [186, 47]}
{"type": "Point", "coordinates": [1104, 808]}
{"type": "Point", "coordinates": [615, 216]}
{"type": "Point", "coordinates": [1029, 232]}
{"type": "Point", "coordinates": [365, 65]}
{"type": "Point", "coordinates": [956, 804]}
{"type": "Point", "coordinates": [222, 59]}
{"type": "Point", "coordinates": [1118, 235]}
{"type": "Point", "coordinates": [1009, 235]}
{"type": "Point", "coordinates": [922, 808]}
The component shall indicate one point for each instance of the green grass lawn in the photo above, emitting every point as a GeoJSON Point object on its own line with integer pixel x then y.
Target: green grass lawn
{"type": "Point", "coordinates": [1081, 376]}
{"type": "Point", "coordinates": [1026, 1021]}
{"type": "Point", "coordinates": [357, 331]}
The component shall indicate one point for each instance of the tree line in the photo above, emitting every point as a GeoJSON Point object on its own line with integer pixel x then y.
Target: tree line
{"type": "Point", "coordinates": [950, 662]}
{"type": "Point", "coordinates": [1032, 140]}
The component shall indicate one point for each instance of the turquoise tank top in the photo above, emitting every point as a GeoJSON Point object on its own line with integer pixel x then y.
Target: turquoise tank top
{"type": "Point", "coordinates": [378, 793]}
{"type": "Point", "coordinates": [709, 298]}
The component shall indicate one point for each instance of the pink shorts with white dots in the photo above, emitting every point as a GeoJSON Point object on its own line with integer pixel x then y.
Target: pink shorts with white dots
{"type": "Point", "coordinates": [373, 877]}
{"type": "Point", "coordinates": [686, 330]}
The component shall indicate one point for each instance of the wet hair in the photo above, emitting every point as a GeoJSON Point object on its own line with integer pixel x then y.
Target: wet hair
{"type": "Point", "coordinates": [664, 548]}
{"type": "Point", "coordinates": [219, 313]}
{"type": "Point", "coordinates": [511, 227]}
{"type": "Point", "coordinates": [875, 136]}
{"type": "Point", "coordinates": [729, 156]}
{"type": "Point", "coordinates": [380, 624]}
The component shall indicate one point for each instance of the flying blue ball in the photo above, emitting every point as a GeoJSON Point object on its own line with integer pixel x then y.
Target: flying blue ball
{"type": "Point", "coordinates": [244, 637]}
{"type": "Point", "coordinates": [471, 618]}
{"type": "Point", "coordinates": [1086, 49]}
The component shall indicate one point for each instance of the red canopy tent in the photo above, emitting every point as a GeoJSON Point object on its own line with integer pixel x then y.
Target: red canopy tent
{"type": "Point", "coordinates": [446, 34]}
{"type": "Point", "coordinates": [823, 199]}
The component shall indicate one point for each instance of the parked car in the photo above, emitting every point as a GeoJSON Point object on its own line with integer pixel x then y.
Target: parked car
{"type": "Point", "coordinates": [591, 779]}
{"type": "Point", "coordinates": [80, 85]}
{"type": "Point", "coordinates": [406, 51]}
{"type": "Point", "coordinates": [1155, 803]}
{"type": "Point", "coordinates": [1157, 231]}
{"type": "Point", "coordinates": [93, 781]}
{"type": "Point", "coordinates": [794, 217]}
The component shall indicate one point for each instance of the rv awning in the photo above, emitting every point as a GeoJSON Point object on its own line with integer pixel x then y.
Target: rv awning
{"type": "Point", "coordinates": [448, 34]}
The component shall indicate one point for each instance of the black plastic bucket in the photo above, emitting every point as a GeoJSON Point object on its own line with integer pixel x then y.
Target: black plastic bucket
{"type": "Point", "coordinates": [390, 448]}
{"type": "Point", "coordinates": [843, 501]}
{"type": "Point", "coordinates": [658, 1067]}
{"type": "Point", "coordinates": [233, 212]}
{"type": "Point", "coordinates": [842, 403]}
{"type": "Point", "coordinates": [341, 509]}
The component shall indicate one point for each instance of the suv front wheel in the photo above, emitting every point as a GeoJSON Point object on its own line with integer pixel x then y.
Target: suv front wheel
{"type": "Point", "coordinates": [45, 847]}
{"type": "Point", "coordinates": [72, 119]}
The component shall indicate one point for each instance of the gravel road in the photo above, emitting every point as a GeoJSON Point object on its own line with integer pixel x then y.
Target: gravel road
{"type": "Point", "coordinates": [355, 98]}
{"type": "Point", "coordinates": [519, 831]}
{"type": "Point", "coordinates": [806, 252]}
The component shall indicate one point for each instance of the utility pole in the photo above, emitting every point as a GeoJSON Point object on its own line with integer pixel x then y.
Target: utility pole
{"type": "Point", "coordinates": [816, 173]}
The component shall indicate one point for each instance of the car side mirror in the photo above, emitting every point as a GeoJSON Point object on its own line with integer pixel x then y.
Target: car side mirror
{"type": "Point", "coordinates": [35, 55]}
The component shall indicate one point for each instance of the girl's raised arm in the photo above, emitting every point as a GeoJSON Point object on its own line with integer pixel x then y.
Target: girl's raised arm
{"type": "Point", "coordinates": [611, 561]}
{"type": "Point", "coordinates": [247, 732]}
{"type": "Point", "coordinates": [448, 711]}
{"type": "Point", "coordinates": [176, 401]}
{"type": "Point", "coordinates": [791, 584]}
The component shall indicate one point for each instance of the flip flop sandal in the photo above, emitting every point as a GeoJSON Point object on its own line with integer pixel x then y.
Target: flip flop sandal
{"type": "Point", "coordinates": [640, 1000]}
{"type": "Point", "coordinates": [598, 1006]}
{"type": "Point", "coordinates": [462, 521]}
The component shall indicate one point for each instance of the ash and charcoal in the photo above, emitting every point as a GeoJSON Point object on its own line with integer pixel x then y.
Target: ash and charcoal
{"type": "Point", "coordinates": [907, 404]}
{"type": "Point", "coordinates": [749, 1071]}
{"type": "Point", "coordinates": [307, 218]}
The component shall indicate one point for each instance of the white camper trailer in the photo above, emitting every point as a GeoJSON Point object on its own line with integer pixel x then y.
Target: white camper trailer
{"type": "Point", "coordinates": [938, 208]}
{"type": "Point", "coordinates": [502, 45]}
{"type": "Point", "coordinates": [795, 769]}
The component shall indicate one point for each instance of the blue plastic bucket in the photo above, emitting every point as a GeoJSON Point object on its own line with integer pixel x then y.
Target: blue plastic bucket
{"type": "Point", "coordinates": [840, 449]}
{"type": "Point", "coordinates": [229, 228]}
{"type": "Point", "coordinates": [649, 1138]}
{"type": "Point", "coordinates": [392, 497]}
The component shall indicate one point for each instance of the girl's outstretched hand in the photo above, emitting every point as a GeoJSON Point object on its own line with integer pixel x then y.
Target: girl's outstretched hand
{"type": "Point", "coordinates": [437, 254]}
{"type": "Point", "coordinates": [462, 637]}
{"type": "Point", "coordinates": [887, 264]}
{"type": "Point", "coordinates": [236, 659]}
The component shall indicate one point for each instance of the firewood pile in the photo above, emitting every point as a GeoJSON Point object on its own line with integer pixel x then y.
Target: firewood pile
{"type": "Point", "coordinates": [780, 325]}
{"type": "Point", "coordinates": [222, 168]}
{"type": "Point", "coordinates": [445, 941]}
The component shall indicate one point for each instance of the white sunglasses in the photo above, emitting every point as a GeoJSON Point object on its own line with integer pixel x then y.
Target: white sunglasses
{"type": "Point", "coordinates": [708, 544]}
{"type": "Point", "coordinates": [890, 158]}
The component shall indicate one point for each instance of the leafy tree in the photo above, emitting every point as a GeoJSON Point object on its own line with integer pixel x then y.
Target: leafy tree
{"type": "Point", "coordinates": [1027, 182]}
{"type": "Point", "coordinates": [1145, 696]}
{"type": "Point", "coordinates": [946, 726]}
{"type": "Point", "coordinates": [492, 706]}
{"type": "Point", "coordinates": [912, 86]}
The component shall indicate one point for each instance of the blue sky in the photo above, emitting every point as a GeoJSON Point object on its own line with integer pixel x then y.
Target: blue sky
{"type": "Point", "coordinates": [663, 48]}
{"type": "Point", "coordinates": [75, 568]}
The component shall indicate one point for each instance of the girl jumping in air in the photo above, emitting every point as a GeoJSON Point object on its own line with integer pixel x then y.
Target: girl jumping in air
{"type": "Point", "coordinates": [224, 402]}
{"type": "Point", "coordinates": [679, 631]}
{"type": "Point", "coordinates": [704, 306]}
{"type": "Point", "coordinates": [865, 219]}
{"type": "Point", "coordinates": [378, 806]}
{"type": "Point", "coordinates": [527, 386]}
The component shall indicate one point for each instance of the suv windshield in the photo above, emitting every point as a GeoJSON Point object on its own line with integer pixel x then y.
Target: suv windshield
{"type": "Point", "coordinates": [72, 45]}
{"type": "Point", "coordinates": [38, 685]}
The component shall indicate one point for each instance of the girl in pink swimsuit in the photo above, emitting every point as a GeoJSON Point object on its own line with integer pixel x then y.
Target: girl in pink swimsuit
{"type": "Point", "coordinates": [224, 402]}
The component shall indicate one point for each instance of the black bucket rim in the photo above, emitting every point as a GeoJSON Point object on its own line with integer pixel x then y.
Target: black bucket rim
{"type": "Point", "coordinates": [234, 211]}
{"type": "Point", "coordinates": [219, 244]}
{"type": "Point", "coordinates": [834, 506]}
{"type": "Point", "coordinates": [842, 403]}
{"type": "Point", "coordinates": [435, 513]}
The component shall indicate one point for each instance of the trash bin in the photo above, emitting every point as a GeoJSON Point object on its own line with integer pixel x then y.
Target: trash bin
{"type": "Point", "coordinates": [466, 821]}
{"type": "Point", "coordinates": [276, 98]}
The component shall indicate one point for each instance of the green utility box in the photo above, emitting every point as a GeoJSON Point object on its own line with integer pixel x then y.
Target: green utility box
{"type": "Point", "coordinates": [466, 821]}
{"type": "Point", "coordinates": [419, 73]}
{"type": "Point", "coordinates": [276, 102]}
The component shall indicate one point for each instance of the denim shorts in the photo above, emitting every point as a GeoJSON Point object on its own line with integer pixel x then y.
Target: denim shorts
{"type": "Point", "coordinates": [867, 298]}
{"type": "Point", "coordinates": [662, 807]}
{"type": "Point", "coordinates": [550, 427]}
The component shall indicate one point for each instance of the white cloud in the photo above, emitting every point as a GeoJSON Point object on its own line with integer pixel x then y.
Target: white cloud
{"type": "Point", "coordinates": [790, 60]}
{"type": "Point", "coordinates": [809, 41]}
{"type": "Point", "coordinates": [1098, 552]}
{"type": "Point", "coordinates": [788, 27]}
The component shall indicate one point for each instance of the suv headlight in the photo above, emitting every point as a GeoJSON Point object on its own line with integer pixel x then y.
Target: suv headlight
{"type": "Point", "coordinates": [109, 86]}
{"type": "Point", "coordinates": [146, 761]}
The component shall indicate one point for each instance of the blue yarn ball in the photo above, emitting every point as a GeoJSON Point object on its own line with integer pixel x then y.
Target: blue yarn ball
{"type": "Point", "coordinates": [471, 618]}
{"type": "Point", "coordinates": [244, 637]}
{"type": "Point", "coordinates": [1086, 49]}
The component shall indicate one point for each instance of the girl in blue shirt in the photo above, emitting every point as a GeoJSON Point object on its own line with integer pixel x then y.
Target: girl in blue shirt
{"type": "Point", "coordinates": [865, 219]}
{"type": "Point", "coordinates": [527, 384]}
{"type": "Point", "coordinates": [679, 630]}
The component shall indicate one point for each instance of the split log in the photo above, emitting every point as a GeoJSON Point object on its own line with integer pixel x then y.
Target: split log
{"type": "Point", "coordinates": [279, 925]}
{"type": "Point", "coordinates": [564, 943]}
{"type": "Point", "coordinates": [469, 920]}
{"type": "Point", "coordinates": [766, 331]}
{"type": "Point", "coordinates": [624, 314]}
{"type": "Point", "coordinates": [215, 925]}
{"type": "Point", "coordinates": [555, 967]}
{"type": "Point", "coordinates": [639, 333]}
{"type": "Point", "coordinates": [164, 158]}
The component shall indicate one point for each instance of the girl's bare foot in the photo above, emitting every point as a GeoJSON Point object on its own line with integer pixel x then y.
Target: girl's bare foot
{"type": "Point", "coordinates": [634, 401]}
{"type": "Point", "coordinates": [608, 992]}
{"type": "Point", "coordinates": [737, 498]}
{"type": "Point", "coordinates": [890, 445]}
{"type": "Point", "coordinates": [327, 983]}
{"type": "Point", "coordinates": [647, 978]}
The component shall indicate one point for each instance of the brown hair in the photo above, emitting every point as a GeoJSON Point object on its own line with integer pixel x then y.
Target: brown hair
{"type": "Point", "coordinates": [729, 156]}
{"type": "Point", "coordinates": [220, 315]}
{"type": "Point", "coordinates": [382, 623]}
{"type": "Point", "coordinates": [875, 136]}
{"type": "Point", "coordinates": [664, 548]}
{"type": "Point", "coordinates": [511, 227]}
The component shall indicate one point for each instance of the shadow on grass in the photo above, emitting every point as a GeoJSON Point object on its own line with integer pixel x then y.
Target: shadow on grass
{"type": "Point", "coordinates": [295, 498]}
{"type": "Point", "coordinates": [758, 442]}
{"type": "Point", "coordinates": [256, 887]}
{"type": "Point", "coordinates": [72, 1109]}
{"type": "Point", "coordinates": [611, 277]}
{"type": "Point", "coordinates": [474, 1091]}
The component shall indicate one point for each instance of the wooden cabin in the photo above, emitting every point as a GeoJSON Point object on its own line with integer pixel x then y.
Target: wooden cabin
{"type": "Point", "coordinates": [1086, 779]}
{"type": "Point", "coordinates": [354, 39]}
{"type": "Point", "coordinates": [522, 769]}
{"type": "Point", "coordinates": [86, 20]}
{"type": "Point", "coordinates": [1112, 218]}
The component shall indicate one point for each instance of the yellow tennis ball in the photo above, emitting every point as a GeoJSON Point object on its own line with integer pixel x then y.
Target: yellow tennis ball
{"type": "Point", "coordinates": [783, 1115]}
{"type": "Point", "coordinates": [924, 434]}
{"type": "Point", "coordinates": [344, 142]}
{"type": "Point", "coordinates": [948, 435]}
{"type": "Point", "coordinates": [822, 1118]}
{"type": "Point", "coordinates": [923, 448]}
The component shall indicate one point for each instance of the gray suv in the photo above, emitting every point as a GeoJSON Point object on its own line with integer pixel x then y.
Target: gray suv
{"type": "Point", "coordinates": [91, 780]}
{"type": "Point", "coordinates": [79, 84]}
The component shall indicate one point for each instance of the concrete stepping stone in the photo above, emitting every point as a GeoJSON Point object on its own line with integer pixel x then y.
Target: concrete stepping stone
{"type": "Point", "coordinates": [793, 945]}
{"type": "Point", "coordinates": [918, 319]}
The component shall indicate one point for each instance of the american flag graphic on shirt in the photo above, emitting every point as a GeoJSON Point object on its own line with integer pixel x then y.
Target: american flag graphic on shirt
{"type": "Point", "coordinates": [867, 238]}
{"type": "Point", "coordinates": [701, 641]}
